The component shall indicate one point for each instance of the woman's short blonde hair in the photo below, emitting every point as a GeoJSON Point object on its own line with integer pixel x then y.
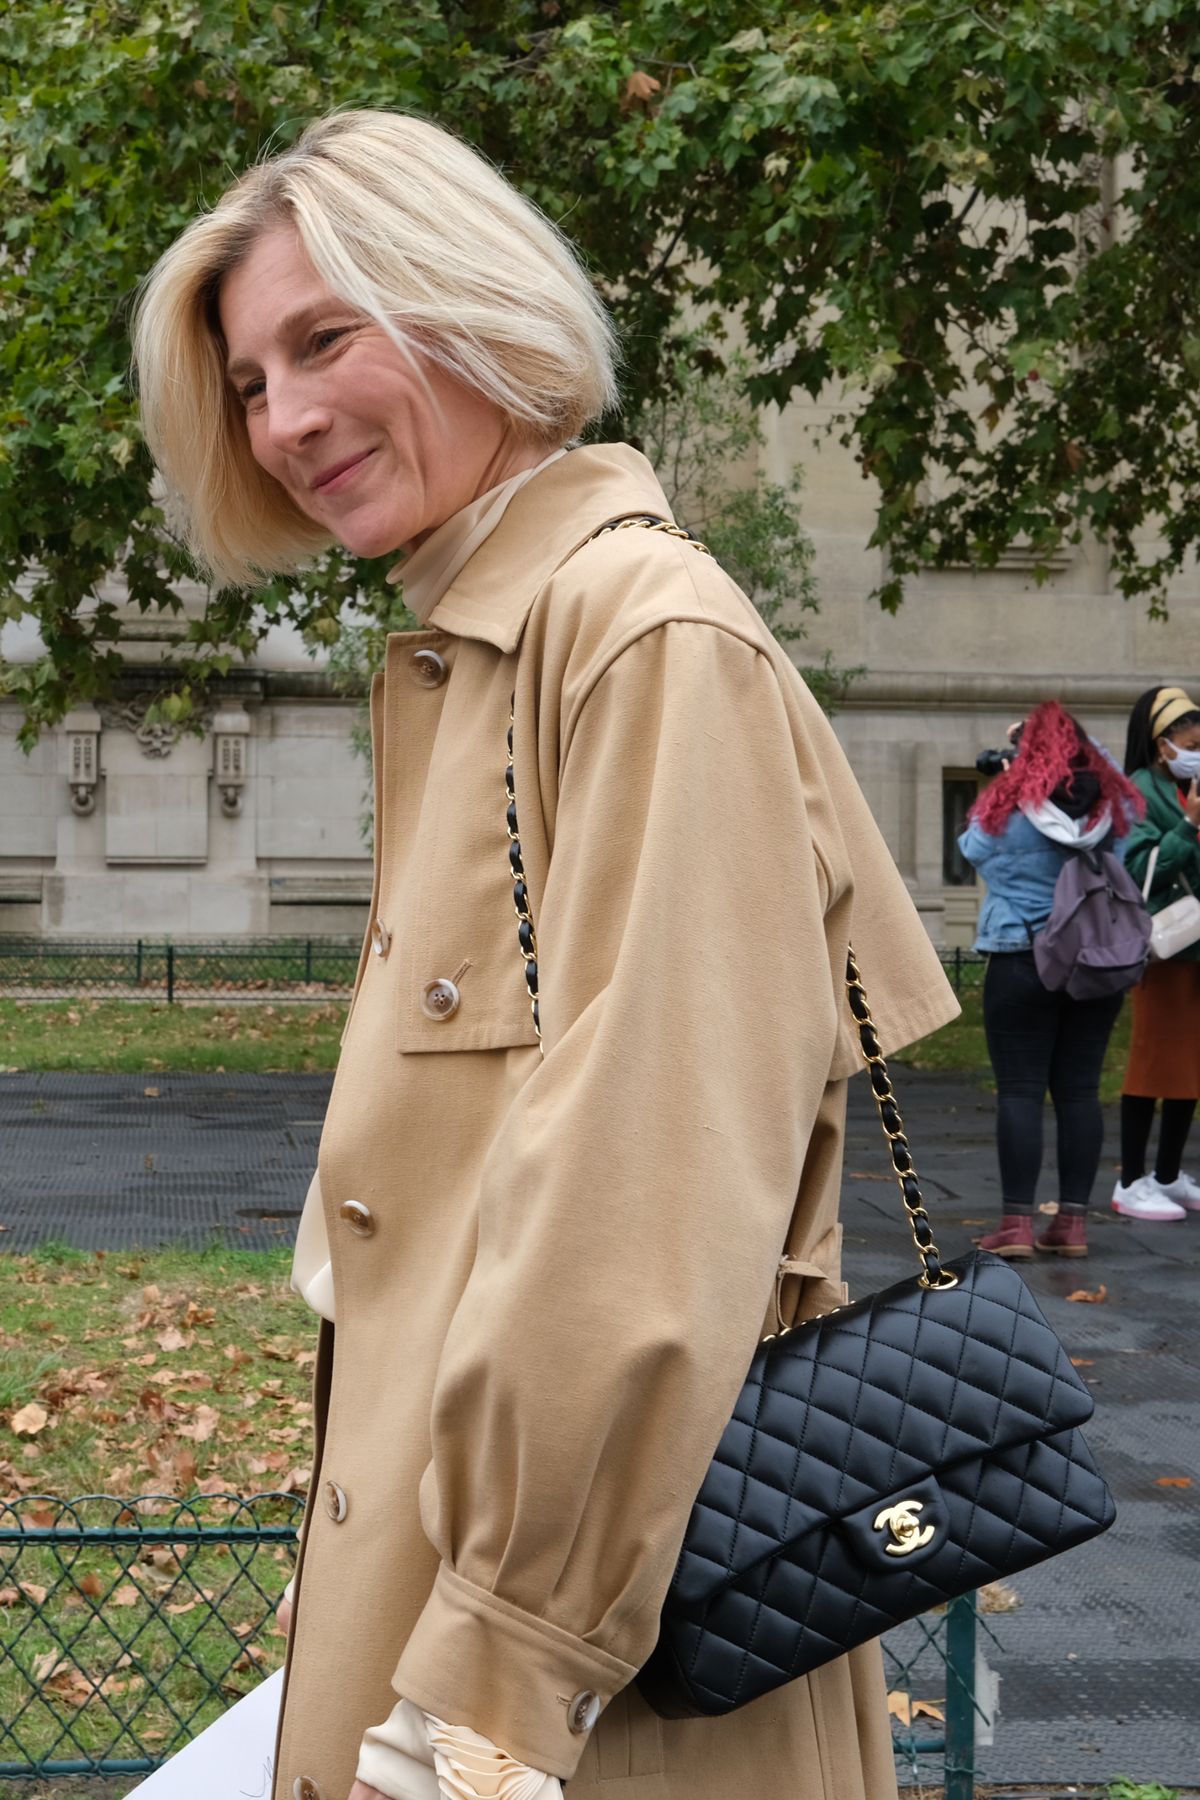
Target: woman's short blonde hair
{"type": "Point", "coordinates": [409, 224]}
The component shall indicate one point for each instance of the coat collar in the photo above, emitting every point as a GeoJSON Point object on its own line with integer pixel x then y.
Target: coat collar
{"type": "Point", "coordinates": [493, 594]}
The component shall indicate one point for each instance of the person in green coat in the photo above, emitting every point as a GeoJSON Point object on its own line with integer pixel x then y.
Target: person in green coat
{"type": "Point", "coordinates": [1162, 758]}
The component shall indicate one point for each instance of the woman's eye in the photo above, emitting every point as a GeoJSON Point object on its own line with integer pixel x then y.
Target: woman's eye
{"type": "Point", "coordinates": [251, 391]}
{"type": "Point", "coordinates": [323, 339]}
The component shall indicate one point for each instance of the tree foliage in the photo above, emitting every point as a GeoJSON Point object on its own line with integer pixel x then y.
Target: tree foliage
{"type": "Point", "coordinates": [908, 205]}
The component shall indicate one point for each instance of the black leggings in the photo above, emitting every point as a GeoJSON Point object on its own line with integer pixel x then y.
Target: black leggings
{"type": "Point", "coordinates": [1137, 1117]}
{"type": "Point", "coordinates": [1039, 1040]}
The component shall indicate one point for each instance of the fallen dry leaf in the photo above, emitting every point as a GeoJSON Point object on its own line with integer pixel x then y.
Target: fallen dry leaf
{"type": "Point", "coordinates": [32, 1590]}
{"type": "Point", "coordinates": [29, 1419]}
{"type": "Point", "coordinates": [203, 1423]}
{"type": "Point", "coordinates": [903, 1707]}
{"type": "Point", "coordinates": [998, 1597]}
{"type": "Point", "coordinates": [152, 1093]}
{"type": "Point", "coordinates": [1083, 1362]}
{"type": "Point", "coordinates": [90, 1584]}
{"type": "Point", "coordinates": [125, 1595]}
{"type": "Point", "coordinates": [1180, 1481]}
{"type": "Point", "coordinates": [1091, 1296]}
{"type": "Point", "coordinates": [171, 1339]}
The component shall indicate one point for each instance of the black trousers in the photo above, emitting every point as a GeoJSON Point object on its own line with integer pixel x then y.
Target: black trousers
{"type": "Point", "coordinates": [1038, 1041]}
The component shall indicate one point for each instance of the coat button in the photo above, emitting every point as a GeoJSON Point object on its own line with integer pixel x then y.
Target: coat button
{"type": "Point", "coordinates": [427, 668]}
{"type": "Point", "coordinates": [381, 937]}
{"type": "Point", "coordinates": [304, 1788]}
{"type": "Point", "coordinates": [336, 1504]}
{"type": "Point", "coordinates": [583, 1712]}
{"type": "Point", "coordinates": [358, 1217]}
{"type": "Point", "coordinates": [440, 999]}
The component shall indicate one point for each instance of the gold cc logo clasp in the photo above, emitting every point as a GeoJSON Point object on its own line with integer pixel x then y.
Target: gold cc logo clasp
{"type": "Point", "coordinates": [907, 1532]}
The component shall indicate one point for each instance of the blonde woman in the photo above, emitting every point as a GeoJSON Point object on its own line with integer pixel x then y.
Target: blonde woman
{"type": "Point", "coordinates": [542, 1265]}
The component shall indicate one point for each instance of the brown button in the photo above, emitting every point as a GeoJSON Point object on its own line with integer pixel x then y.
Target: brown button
{"type": "Point", "coordinates": [427, 668]}
{"type": "Point", "coordinates": [336, 1504]}
{"type": "Point", "coordinates": [381, 937]}
{"type": "Point", "coordinates": [304, 1788]}
{"type": "Point", "coordinates": [583, 1711]}
{"type": "Point", "coordinates": [358, 1217]}
{"type": "Point", "coordinates": [440, 999]}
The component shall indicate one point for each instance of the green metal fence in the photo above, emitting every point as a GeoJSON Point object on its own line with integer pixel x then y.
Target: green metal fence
{"type": "Point", "coordinates": [136, 968]}
{"type": "Point", "coordinates": [964, 968]}
{"type": "Point", "coordinates": [128, 1625]}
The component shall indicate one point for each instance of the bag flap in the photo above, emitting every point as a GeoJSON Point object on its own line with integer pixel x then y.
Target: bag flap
{"type": "Point", "coordinates": [850, 1407]}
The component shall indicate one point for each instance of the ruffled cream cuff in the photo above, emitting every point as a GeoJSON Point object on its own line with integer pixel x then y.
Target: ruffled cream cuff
{"type": "Point", "coordinates": [414, 1756]}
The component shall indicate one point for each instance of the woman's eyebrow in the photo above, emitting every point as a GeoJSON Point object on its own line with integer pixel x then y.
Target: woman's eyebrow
{"type": "Point", "coordinates": [290, 323]}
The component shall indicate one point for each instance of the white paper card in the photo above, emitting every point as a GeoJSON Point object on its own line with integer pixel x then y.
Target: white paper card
{"type": "Point", "coordinates": [232, 1760]}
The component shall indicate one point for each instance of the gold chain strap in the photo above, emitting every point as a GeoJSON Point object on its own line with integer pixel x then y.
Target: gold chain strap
{"type": "Point", "coordinates": [526, 930]}
{"type": "Point", "coordinates": [933, 1275]}
{"type": "Point", "coordinates": [648, 522]}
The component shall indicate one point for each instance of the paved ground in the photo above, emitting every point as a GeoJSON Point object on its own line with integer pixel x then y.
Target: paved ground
{"type": "Point", "coordinates": [1099, 1667]}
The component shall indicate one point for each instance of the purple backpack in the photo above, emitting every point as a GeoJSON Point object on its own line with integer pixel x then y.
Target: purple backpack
{"type": "Point", "coordinates": [1097, 938]}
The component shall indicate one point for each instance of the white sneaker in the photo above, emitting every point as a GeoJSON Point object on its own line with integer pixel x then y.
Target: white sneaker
{"type": "Point", "coordinates": [1183, 1190]}
{"type": "Point", "coordinates": [1146, 1200]}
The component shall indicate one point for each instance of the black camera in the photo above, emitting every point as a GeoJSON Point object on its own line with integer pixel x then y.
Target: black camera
{"type": "Point", "coordinates": [994, 762]}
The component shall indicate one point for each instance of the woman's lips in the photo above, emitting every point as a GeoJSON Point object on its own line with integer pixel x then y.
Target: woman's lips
{"type": "Point", "coordinates": [343, 476]}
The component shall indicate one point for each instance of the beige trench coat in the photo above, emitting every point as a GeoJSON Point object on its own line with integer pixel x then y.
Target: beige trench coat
{"type": "Point", "coordinates": [550, 1275]}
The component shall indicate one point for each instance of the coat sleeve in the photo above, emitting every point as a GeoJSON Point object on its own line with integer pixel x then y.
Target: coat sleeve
{"type": "Point", "coordinates": [637, 1195]}
{"type": "Point", "coordinates": [1179, 853]}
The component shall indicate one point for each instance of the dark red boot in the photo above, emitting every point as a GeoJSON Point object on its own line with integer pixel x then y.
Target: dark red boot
{"type": "Point", "coordinates": [1066, 1235]}
{"type": "Point", "coordinates": [1014, 1238]}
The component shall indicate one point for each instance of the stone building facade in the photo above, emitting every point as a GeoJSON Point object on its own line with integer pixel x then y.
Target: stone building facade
{"type": "Point", "coordinates": [112, 830]}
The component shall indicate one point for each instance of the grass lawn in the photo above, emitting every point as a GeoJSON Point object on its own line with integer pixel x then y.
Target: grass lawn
{"type": "Point", "coordinates": [959, 1048]}
{"type": "Point", "coordinates": [146, 1037]}
{"type": "Point", "coordinates": [172, 1373]}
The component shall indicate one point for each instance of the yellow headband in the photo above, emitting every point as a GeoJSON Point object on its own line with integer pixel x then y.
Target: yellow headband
{"type": "Point", "coordinates": [1170, 704]}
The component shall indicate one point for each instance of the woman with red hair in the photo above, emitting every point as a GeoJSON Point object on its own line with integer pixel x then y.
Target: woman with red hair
{"type": "Point", "coordinates": [1062, 793]}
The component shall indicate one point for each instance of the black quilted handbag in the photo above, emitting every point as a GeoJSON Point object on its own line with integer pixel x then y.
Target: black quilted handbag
{"type": "Point", "coordinates": [880, 1460]}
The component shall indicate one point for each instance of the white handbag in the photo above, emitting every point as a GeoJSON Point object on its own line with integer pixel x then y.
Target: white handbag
{"type": "Point", "coordinates": [1178, 924]}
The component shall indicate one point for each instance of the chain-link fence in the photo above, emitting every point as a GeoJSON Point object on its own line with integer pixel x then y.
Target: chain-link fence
{"type": "Point", "coordinates": [137, 969]}
{"type": "Point", "coordinates": [248, 968]}
{"type": "Point", "coordinates": [128, 1625]}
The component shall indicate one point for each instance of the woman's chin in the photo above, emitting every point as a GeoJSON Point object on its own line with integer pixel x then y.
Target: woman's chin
{"type": "Point", "coordinates": [368, 541]}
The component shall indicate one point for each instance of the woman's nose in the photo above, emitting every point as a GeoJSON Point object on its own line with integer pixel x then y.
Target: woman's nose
{"type": "Point", "coordinates": [295, 417]}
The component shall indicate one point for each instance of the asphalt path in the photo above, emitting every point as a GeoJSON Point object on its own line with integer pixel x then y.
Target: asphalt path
{"type": "Point", "coordinates": [1099, 1665]}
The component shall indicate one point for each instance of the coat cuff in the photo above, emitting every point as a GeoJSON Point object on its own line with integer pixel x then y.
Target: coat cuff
{"type": "Point", "coordinates": [521, 1681]}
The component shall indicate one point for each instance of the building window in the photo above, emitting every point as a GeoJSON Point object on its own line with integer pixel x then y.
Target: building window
{"type": "Point", "coordinates": [959, 791]}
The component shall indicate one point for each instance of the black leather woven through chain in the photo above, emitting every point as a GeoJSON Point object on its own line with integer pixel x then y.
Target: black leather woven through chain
{"type": "Point", "coordinates": [880, 1460]}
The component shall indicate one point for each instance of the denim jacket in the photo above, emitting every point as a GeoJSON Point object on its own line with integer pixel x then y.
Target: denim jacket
{"type": "Point", "coordinates": [1020, 868]}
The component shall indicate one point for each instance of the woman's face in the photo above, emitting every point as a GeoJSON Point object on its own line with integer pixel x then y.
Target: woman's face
{"type": "Point", "coordinates": [376, 446]}
{"type": "Point", "coordinates": [1180, 737]}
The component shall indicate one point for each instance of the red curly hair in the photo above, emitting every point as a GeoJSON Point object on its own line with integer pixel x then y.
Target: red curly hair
{"type": "Point", "coordinates": [1054, 749]}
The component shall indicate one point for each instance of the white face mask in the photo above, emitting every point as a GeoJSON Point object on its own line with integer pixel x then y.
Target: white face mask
{"type": "Point", "coordinates": [1184, 764]}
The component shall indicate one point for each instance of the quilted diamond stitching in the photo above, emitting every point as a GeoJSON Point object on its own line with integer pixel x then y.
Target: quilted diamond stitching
{"type": "Point", "coordinates": [812, 1426]}
{"type": "Point", "coordinates": [1058, 1383]}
